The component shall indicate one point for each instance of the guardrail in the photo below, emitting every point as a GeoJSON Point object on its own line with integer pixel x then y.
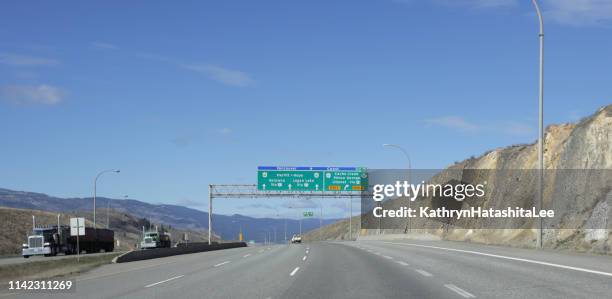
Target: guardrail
{"type": "Point", "coordinates": [187, 248]}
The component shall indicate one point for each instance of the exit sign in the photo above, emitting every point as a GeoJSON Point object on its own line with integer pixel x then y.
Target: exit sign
{"type": "Point", "coordinates": [283, 178]}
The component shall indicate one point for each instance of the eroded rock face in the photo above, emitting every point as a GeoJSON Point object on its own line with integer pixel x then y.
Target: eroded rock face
{"type": "Point", "coordinates": [583, 202]}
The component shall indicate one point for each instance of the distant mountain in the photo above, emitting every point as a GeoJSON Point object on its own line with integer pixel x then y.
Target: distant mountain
{"type": "Point", "coordinates": [177, 216]}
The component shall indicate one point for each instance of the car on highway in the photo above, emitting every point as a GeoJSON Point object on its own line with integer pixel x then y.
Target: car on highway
{"type": "Point", "coordinates": [296, 239]}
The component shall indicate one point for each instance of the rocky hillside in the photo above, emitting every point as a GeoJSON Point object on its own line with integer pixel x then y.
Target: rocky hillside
{"type": "Point", "coordinates": [578, 186]}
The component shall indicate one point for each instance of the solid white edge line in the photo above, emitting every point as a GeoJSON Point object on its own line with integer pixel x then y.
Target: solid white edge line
{"type": "Point", "coordinates": [459, 291]}
{"type": "Point", "coordinates": [424, 273]}
{"type": "Point", "coordinates": [221, 264]}
{"type": "Point", "coordinates": [169, 279]}
{"type": "Point", "coordinates": [510, 258]}
{"type": "Point", "coordinates": [294, 271]}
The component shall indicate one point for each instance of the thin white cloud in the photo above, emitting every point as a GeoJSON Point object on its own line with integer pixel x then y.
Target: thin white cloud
{"type": "Point", "coordinates": [460, 124]}
{"type": "Point", "coordinates": [479, 4]}
{"type": "Point", "coordinates": [453, 122]}
{"type": "Point", "coordinates": [106, 46]}
{"type": "Point", "coordinates": [224, 131]}
{"type": "Point", "coordinates": [31, 95]}
{"type": "Point", "coordinates": [517, 129]}
{"type": "Point", "coordinates": [26, 60]}
{"type": "Point", "coordinates": [222, 75]}
{"type": "Point", "coordinates": [578, 12]}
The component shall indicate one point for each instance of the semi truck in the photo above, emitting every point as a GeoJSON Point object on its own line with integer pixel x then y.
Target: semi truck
{"type": "Point", "coordinates": [51, 240]}
{"type": "Point", "coordinates": [155, 239]}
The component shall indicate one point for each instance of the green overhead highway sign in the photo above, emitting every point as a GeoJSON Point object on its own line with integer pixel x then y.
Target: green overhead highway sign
{"type": "Point", "coordinates": [287, 180]}
{"type": "Point", "coordinates": [274, 178]}
{"type": "Point", "coordinates": [308, 214]}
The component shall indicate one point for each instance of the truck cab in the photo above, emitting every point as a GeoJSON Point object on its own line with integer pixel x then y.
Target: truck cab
{"type": "Point", "coordinates": [155, 239]}
{"type": "Point", "coordinates": [43, 241]}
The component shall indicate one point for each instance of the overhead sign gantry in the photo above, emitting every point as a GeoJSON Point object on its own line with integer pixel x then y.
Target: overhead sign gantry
{"type": "Point", "coordinates": [295, 182]}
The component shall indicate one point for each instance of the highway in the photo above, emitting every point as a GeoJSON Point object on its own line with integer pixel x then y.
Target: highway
{"type": "Point", "coordinates": [364, 269]}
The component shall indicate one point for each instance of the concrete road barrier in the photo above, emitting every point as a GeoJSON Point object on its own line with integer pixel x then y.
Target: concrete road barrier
{"type": "Point", "coordinates": [140, 255]}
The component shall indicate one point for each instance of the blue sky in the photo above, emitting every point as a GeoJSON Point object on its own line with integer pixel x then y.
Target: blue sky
{"type": "Point", "coordinates": [179, 96]}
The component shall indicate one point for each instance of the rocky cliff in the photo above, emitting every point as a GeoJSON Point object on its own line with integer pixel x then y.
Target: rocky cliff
{"type": "Point", "coordinates": [577, 186]}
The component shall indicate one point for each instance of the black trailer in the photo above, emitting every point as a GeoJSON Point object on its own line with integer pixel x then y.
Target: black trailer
{"type": "Point", "coordinates": [94, 240]}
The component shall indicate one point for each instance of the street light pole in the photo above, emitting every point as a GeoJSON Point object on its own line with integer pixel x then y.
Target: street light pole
{"type": "Point", "coordinates": [209, 214]}
{"type": "Point", "coordinates": [409, 174]}
{"type": "Point", "coordinates": [95, 187]}
{"type": "Point", "coordinates": [540, 191]}
{"type": "Point", "coordinates": [350, 219]}
{"type": "Point", "coordinates": [108, 211]}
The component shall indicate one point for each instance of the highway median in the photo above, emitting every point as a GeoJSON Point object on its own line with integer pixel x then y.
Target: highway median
{"type": "Point", "coordinates": [139, 255]}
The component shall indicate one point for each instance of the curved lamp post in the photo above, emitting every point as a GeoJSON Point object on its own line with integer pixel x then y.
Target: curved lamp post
{"type": "Point", "coordinates": [409, 172]}
{"type": "Point", "coordinates": [95, 186]}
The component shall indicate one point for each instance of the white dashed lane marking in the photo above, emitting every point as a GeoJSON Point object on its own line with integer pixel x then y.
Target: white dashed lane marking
{"type": "Point", "coordinates": [221, 264]}
{"type": "Point", "coordinates": [460, 291]}
{"type": "Point", "coordinates": [424, 273]}
{"type": "Point", "coordinates": [402, 263]}
{"type": "Point", "coordinates": [294, 271]}
{"type": "Point", "coordinates": [160, 282]}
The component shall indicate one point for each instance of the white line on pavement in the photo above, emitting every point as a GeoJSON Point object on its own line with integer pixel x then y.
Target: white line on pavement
{"type": "Point", "coordinates": [387, 257]}
{"type": "Point", "coordinates": [246, 255]}
{"type": "Point", "coordinates": [294, 271]}
{"type": "Point", "coordinates": [459, 291]}
{"type": "Point", "coordinates": [509, 258]}
{"type": "Point", "coordinates": [304, 258]}
{"type": "Point", "coordinates": [424, 273]}
{"type": "Point", "coordinates": [221, 264]}
{"type": "Point", "coordinates": [402, 263]}
{"type": "Point", "coordinates": [169, 279]}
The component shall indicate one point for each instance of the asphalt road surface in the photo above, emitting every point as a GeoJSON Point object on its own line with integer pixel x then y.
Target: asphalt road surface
{"type": "Point", "coordinates": [366, 269]}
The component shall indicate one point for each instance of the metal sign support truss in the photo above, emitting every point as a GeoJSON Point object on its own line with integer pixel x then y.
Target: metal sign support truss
{"type": "Point", "coordinates": [250, 191]}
